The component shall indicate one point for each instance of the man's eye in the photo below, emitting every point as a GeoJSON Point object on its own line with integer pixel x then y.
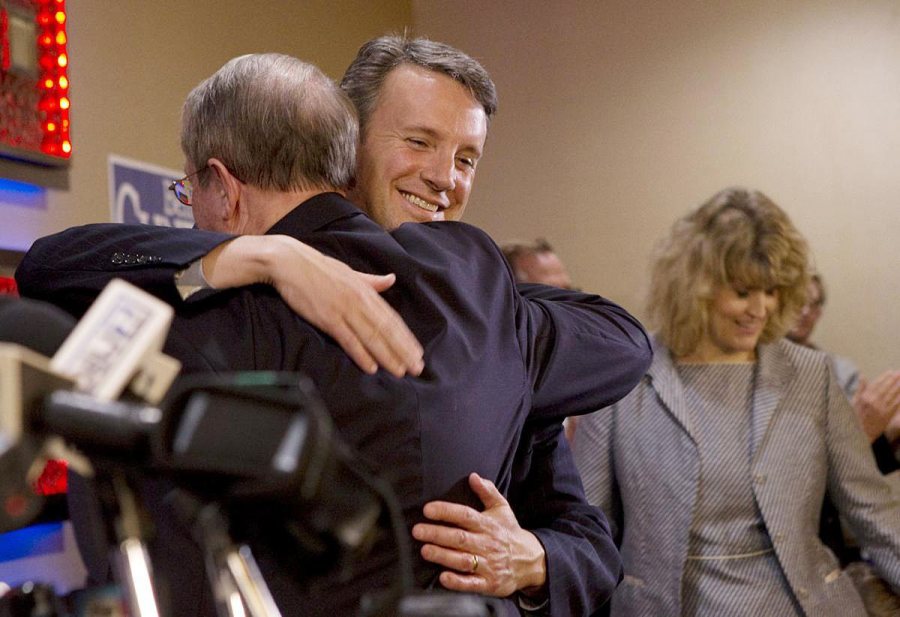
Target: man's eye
{"type": "Point", "coordinates": [741, 293]}
{"type": "Point", "coordinates": [467, 162]}
{"type": "Point", "coordinates": [419, 143]}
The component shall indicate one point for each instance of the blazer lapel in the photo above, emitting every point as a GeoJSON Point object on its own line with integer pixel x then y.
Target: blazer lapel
{"type": "Point", "coordinates": [774, 370]}
{"type": "Point", "coordinates": [665, 381]}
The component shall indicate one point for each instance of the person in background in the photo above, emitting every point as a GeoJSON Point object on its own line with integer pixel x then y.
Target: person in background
{"type": "Point", "coordinates": [536, 262]}
{"type": "Point", "coordinates": [713, 469]}
{"type": "Point", "coordinates": [877, 407]}
{"type": "Point", "coordinates": [876, 403]}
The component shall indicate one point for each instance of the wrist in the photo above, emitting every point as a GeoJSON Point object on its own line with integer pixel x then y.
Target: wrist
{"type": "Point", "coordinates": [244, 260]}
{"type": "Point", "coordinates": [532, 567]}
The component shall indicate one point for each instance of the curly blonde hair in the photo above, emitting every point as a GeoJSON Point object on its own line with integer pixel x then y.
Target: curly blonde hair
{"type": "Point", "coordinates": [739, 237]}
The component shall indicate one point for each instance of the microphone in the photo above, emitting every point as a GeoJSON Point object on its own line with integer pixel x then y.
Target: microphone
{"type": "Point", "coordinates": [29, 330]}
{"type": "Point", "coordinates": [119, 338]}
{"type": "Point", "coordinates": [39, 326]}
{"type": "Point", "coordinates": [117, 343]}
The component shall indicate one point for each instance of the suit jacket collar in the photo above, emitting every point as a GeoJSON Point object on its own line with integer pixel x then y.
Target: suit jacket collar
{"type": "Point", "coordinates": [315, 213]}
{"type": "Point", "coordinates": [665, 380]}
{"type": "Point", "coordinates": [773, 371]}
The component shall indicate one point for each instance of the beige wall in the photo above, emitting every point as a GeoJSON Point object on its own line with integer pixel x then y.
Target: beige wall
{"type": "Point", "coordinates": [133, 62]}
{"type": "Point", "coordinates": [618, 116]}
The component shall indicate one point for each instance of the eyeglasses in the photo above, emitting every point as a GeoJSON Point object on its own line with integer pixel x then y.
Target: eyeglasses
{"type": "Point", "coordinates": [184, 188]}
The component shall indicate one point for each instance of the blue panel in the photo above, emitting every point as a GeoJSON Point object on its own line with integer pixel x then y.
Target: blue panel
{"type": "Point", "coordinates": [22, 194]}
{"type": "Point", "coordinates": [42, 539]}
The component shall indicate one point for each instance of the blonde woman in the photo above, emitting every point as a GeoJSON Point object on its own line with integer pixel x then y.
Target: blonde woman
{"type": "Point", "coordinates": [713, 469]}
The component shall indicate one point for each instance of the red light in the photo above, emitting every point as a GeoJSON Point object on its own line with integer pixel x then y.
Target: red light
{"type": "Point", "coordinates": [40, 116]}
{"type": "Point", "coordinates": [8, 286]}
{"type": "Point", "coordinates": [52, 480]}
{"type": "Point", "coordinates": [15, 505]}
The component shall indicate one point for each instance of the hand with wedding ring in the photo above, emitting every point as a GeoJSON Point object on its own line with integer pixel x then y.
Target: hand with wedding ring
{"type": "Point", "coordinates": [484, 552]}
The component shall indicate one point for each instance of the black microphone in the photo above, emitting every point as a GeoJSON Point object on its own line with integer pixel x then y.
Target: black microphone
{"type": "Point", "coordinates": [39, 326]}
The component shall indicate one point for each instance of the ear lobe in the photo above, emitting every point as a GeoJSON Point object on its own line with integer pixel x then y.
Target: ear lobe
{"type": "Point", "coordinates": [230, 187]}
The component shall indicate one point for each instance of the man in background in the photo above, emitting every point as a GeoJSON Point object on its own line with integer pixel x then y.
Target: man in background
{"type": "Point", "coordinates": [536, 262]}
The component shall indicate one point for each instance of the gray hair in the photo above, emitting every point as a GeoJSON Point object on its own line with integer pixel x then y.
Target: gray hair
{"type": "Point", "coordinates": [275, 122]}
{"type": "Point", "coordinates": [378, 57]}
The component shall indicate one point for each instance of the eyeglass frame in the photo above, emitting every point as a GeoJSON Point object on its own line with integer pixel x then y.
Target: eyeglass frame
{"type": "Point", "coordinates": [185, 189]}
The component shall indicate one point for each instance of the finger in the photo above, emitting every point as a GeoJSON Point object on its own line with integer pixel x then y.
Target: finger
{"type": "Point", "coordinates": [387, 337]}
{"type": "Point", "coordinates": [884, 392]}
{"type": "Point", "coordinates": [453, 513]}
{"type": "Point", "coordinates": [470, 583]}
{"type": "Point", "coordinates": [393, 346]}
{"type": "Point", "coordinates": [893, 398]}
{"type": "Point", "coordinates": [404, 342]}
{"type": "Point", "coordinates": [486, 491]}
{"type": "Point", "coordinates": [861, 386]}
{"type": "Point", "coordinates": [378, 282]}
{"type": "Point", "coordinates": [400, 342]}
{"type": "Point", "coordinates": [384, 335]}
{"type": "Point", "coordinates": [447, 537]}
{"type": "Point", "coordinates": [456, 560]}
{"type": "Point", "coordinates": [354, 348]}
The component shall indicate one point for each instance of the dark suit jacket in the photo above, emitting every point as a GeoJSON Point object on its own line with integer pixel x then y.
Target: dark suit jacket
{"type": "Point", "coordinates": [495, 361]}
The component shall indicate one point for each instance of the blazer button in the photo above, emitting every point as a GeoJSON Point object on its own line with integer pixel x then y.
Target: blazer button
{"type": "Point", "coordinates": [759, 479]}
{"type": "Point", "coordinates": [778, 537]}
{"type": "Point", "coordinates": [803, 592]}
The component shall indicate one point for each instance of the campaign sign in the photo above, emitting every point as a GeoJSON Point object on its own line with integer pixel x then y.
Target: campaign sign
{"type": "Point", "coordinates": [139, 193]}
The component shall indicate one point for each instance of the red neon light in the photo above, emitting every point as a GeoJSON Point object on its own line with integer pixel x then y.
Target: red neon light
{"type": "Point", "coordinates": [35, 101]}
{"type": "Point", "coordinates": [8, 286]}
{"type": "Point", "coordinates": [52, 480]}
{"type": "Point", "coordinates": [54, 60]}
{"type": "Point", "coordinates": [4, 36]}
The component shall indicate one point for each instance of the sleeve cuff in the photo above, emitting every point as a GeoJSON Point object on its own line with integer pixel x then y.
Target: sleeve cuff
{"type": "Point", "coordinates": [532, 605]}
{"type": "Point", "coordinates": [190, 280]}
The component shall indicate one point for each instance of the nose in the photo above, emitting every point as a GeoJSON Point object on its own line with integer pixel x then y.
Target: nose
{"type": "Point", "coordinates": [438, 173]}
{"type": "Point", "coordinates": [756, 303]}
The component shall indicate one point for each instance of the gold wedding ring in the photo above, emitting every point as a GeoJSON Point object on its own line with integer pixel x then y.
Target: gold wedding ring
{"type": "Point", "coordinates": [474, 563]}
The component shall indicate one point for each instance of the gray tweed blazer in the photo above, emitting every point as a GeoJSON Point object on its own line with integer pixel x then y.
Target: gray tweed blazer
{"type": "Point", "coordinates": [639, 462]}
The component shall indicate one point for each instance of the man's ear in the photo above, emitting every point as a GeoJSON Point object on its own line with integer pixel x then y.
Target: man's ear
{"type": "Point", "coordinates": [230, 187]}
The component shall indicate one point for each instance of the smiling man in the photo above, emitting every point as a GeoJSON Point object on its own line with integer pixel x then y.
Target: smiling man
{"type": "Point", "coordinates": [422, 143]}
{"type": "Point", "coordinates": [424, 109]}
